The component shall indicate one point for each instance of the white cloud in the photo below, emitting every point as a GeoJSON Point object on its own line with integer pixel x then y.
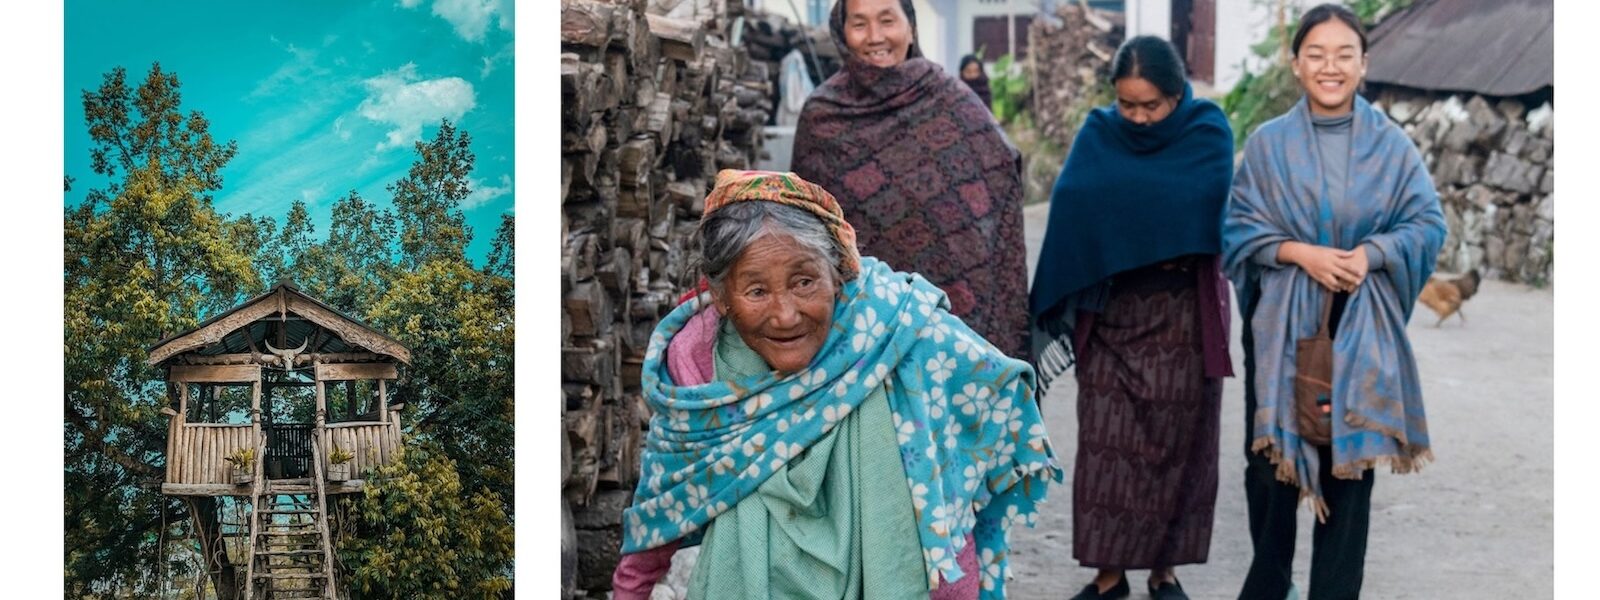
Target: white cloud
{"type": "Point", "coordinates": [470, 18]}
{"type": "Point", "coordinates": [402, 99]}
{"type": "Point", "coordinates": [310, 195]}
{"type": "Point", "coordinates": [300, 69]}
{"type": "Point", "coordinates": [506, 54]}
{"type": "Point", "coordinates": [481, 194]}
{"type": "Point", "coordinates": [338, 128]}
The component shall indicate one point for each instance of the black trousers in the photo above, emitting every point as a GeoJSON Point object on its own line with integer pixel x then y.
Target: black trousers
{"type": "Point", "coordinates": [1338, 546]}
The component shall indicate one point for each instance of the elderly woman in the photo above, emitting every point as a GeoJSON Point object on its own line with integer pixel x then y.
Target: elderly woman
{"type": "Point", "coordinates": [824, 427]}
{"type": "Point", "coordinates": [1129, 284]}
{"type": "Point", "coordinates": [1333, 226]}
{"type": "Point", "coordinates": [924, 173]}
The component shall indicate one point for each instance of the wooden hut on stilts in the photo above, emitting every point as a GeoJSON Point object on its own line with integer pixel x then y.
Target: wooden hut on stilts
{"type": "Point", "coordinates": [281, 402]}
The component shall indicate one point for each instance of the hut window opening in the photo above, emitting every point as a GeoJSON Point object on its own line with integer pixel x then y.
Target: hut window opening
{"type": "Point", "coordinates": [352, 400]}
{"type": "Point", "coordinates": [221, 403]}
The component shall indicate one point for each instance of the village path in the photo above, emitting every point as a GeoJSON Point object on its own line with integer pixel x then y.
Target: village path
{"type": "Point", "coordinates": [1478, 523]}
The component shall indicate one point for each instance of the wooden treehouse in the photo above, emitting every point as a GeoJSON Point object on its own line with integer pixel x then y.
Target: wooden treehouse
{"type": "Point", "coordinates": [304, 391]}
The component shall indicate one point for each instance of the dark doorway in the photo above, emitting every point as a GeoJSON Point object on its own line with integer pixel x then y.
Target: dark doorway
{"type": "Point", "coordinates": [1194, 33]}
{"type": "Point", "coordinates": [1202, 44]}
{"type": "Point", "coordinates": [288, 451]}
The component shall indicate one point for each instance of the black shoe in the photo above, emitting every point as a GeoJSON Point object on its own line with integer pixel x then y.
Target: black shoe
{"type": "Point", "coordinates": [1092, 591]}
{"type": "Point", "coordinates": [1168, 590]}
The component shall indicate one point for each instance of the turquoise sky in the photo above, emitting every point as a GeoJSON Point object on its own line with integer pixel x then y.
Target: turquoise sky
{"type": "Point", "coordinates": [322, 97]}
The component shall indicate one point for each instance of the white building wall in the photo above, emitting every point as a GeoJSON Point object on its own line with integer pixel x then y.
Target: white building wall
{"type": "Point", "coordinates": [1240, 25]}
{"type": "Point", "coordinates": [968, 11]}
{"type": "Point", "coordinates": [931, 32]}
{"type": "Point", "coordinates": [1149, 17]}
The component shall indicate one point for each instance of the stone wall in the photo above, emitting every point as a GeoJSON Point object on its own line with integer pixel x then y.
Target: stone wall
{"type": "Point", "coordinates": [1493, 163]}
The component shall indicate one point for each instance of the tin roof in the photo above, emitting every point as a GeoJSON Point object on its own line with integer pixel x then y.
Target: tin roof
{"type": "Point", "coordinates": [1491, 47]}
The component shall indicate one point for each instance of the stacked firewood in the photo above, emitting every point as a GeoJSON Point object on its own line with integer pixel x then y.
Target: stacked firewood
{"type": "Point", "coordinates": [1069, 59]}
{"type": "Point", "coordinates": [654, 101]}
{"type": "Point", "coordinates": [769, 38]}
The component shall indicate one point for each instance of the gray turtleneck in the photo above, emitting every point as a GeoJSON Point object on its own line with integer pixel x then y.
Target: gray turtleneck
{"type": "Point", "coordinates": [1333, 144]}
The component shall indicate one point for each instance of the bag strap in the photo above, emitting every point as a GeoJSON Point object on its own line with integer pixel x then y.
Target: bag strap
{"type": "Point", "coordinates": [1327, 311]}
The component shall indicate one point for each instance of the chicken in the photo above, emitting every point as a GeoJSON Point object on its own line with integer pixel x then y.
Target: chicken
{"type": "Point", "coordinates": [1445, 296]}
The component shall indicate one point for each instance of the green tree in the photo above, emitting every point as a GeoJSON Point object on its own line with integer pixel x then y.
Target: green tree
{"type": "Point", "coordinates": [144, 257]}
{"type": "Point", "coordinates": [461, 335]}
{"type": "Point", "coordinates": [428, 199]}
{"type": "Point", "coordinates": [502, 255]}
{"type": "Point", "coordinates": [418, 532]}
{"type": "Point", "coordinates": [351, 268]}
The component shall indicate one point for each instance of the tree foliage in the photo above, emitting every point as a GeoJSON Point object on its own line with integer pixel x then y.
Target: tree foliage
{"type": "Point", "coordinates": [147, 255]}
{"type": "Point", "coordinates": [423, 534]}
{"type": "Point", "coordinates": [144, 257]}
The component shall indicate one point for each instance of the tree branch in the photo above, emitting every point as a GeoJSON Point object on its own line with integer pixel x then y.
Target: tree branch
{"type": "Point", "coordinates": [97, 442]}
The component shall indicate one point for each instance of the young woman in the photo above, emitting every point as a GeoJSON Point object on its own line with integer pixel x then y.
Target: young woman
{"type": "Point", "coordinates": [1332, 213]}
{"type": "Point", "coordinates": [1128, 283]}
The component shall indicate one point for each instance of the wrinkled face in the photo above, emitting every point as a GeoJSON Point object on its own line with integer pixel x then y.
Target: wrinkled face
{"type": "Point", "coordinates": [971, 71]}
{"type": "Point", "coordinates": [1140, 102]}
{"type": "Point", "coordinates": [779, 296]}
{"type": "Point", "coordinates": [1330, 65]}
{"type": "Point", "coordinates": [877, 31]}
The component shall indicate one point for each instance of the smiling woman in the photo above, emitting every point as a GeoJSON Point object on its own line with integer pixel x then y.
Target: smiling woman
{"type": "Point", "coordinates": [1332, 229]}
{"type": "Point", "coordinates": [895, 445]}
{"type": "Point", "coordinates": [922, 169]}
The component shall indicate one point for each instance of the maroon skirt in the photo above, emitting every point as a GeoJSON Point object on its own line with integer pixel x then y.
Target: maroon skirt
{"type": "Point", "coordinates": [1145, 480]}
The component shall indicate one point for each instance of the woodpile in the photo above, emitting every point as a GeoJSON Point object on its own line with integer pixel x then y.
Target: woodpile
{"type": "Point", "coordinates": [654, 101]}
{"type": "Point", "coordinates": [1070, 59]}
{"type": "Point", "coordinates": [769, 38]}
{"type": "Point", "coordinates": [1493, 162]}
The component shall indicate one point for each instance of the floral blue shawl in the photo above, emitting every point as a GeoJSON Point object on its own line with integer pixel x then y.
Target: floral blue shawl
{"type": "Point", "coordinates": [974, 447]}
{"type": "Point", "coordinates": [1279, 195]}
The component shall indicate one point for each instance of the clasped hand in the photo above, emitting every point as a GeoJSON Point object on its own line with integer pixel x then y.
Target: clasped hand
{"type": "Point", "coordinates": [1337, 270]}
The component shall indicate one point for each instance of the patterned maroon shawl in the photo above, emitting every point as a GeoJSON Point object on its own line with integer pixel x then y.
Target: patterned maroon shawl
{"type": "Point", "coordinates": [930, 183]}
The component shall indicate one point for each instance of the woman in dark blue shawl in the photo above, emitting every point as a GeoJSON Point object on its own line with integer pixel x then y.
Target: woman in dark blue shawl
{"type": "Point", "coordinates": [1129, 284]}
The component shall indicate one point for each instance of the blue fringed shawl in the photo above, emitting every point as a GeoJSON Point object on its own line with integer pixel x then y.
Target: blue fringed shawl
{"type": "Point", "coordinates": [1131, 195]}
{"type": "Point", "coordinates": [1279, 195]}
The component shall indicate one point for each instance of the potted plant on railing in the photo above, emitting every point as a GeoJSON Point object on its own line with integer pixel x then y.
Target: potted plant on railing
{"type": "Point", "coordinates": [339, 464]}
{"type": "Point", "coordinates": [243, 461]}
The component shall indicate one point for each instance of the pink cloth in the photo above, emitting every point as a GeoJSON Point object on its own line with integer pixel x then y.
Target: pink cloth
{"type": "Point", "coordinates": [1215, 313]}
{"type": "Point", "coordinates": [689, 354]}
{"type": "Point", "coordinates": [972, 575]}
{"type": "Point", "coordinates": [690, 362]}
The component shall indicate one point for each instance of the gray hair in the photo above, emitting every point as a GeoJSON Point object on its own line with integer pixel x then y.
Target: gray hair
{"type": "Point", "coordinates": [726, 234]}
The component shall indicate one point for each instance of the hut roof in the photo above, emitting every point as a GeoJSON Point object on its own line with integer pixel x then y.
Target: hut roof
{"type": "Point", "coordinates": [235, 330]}
{"type": "Point", "coordinates": [1491, 47]}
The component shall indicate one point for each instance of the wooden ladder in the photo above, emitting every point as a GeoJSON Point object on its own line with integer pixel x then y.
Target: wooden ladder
{"type": "Point", "coordinates": [291, 553]}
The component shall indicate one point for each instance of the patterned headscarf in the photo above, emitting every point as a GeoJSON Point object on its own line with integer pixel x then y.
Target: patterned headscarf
{"type": "Point", "coordinates": [789, 189]}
